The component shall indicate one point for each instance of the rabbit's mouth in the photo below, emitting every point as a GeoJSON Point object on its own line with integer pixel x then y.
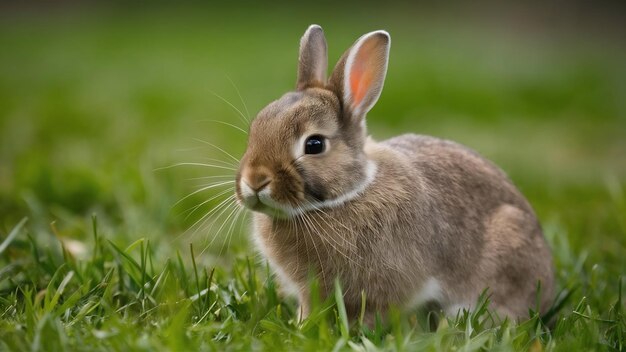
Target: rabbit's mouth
{"type": "Point", "coordinates": [272, 212]}
{"type": "Point", "coordinates": [263, 202]}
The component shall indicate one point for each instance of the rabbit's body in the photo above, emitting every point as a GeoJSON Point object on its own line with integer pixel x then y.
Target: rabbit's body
{"type": "Point", "coordinates": [409, 220]}
{"type": "Point", "coordinates": [415, 240]}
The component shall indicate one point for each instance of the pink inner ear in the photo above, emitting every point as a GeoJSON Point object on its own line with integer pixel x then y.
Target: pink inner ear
{"type": "Point", "coordinates": [363, 71]}
{"type": "Point", "coordinates": [360, 80]}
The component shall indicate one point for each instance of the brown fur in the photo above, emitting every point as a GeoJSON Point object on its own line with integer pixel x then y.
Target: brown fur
{"type": "Point", "coordinates": [434, 211]}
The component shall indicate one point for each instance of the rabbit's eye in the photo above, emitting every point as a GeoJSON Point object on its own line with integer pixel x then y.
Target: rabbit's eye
{"type": "Point", "coordinates": [314, 145]}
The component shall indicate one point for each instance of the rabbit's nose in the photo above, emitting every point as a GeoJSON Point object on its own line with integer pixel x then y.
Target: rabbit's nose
{"type": "Point", "coordinates": [258, 182]}
{"type": "Point", "coordinates": [258, 185]}
{"type": "Point", "coordinates": [253, 184]}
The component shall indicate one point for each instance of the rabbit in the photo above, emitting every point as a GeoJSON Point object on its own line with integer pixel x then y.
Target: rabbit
{"type": "Point", "coordinates": [408, 221]}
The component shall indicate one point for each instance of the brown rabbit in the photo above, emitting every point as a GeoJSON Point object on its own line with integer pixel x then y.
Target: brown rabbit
{"type": "Point", "coordinates": [409, 220]}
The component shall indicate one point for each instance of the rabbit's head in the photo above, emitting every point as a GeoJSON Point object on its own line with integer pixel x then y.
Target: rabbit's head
{"type": "Point", "coordinates": [306, 149]}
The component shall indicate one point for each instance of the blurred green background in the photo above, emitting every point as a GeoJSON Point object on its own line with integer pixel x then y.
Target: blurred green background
{"type": "Point", "coordinates": [96, 99]}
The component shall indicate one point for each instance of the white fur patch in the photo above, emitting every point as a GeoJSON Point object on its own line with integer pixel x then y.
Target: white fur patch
{"type": "Point", "coordinates": [246, 191]}
{"type": "Point", "coordinates": [370, 176]}
{"type": "Point", "coordinates": [287, 284]}
{"type": "Point", "coordinates": [455, 309]}
{"type": "Point", "coordinates": [430, 291]}
{"type": "Point", "coordinates": [298, 148]}
{"type": "Point", "coordinates": [265, 196]}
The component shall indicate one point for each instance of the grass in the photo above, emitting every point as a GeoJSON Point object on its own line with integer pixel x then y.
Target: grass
{"type": "Point", "coordinates": [95, 104]}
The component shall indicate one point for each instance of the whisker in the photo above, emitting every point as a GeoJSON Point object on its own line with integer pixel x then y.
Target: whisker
{"type": "Point", "coordinates": [208, 224]}
{"type": "Point", "coordinates": [358, 235]}
{"type": "Point", "coordinates": [307, 228]}
{"type": "Point", "coordinates": [224, 210]}
{"type": "Point", "coordinates": [226, 163]}
{"type": "Point", "coordinates": [229, 232]}
{"type": "Point", "coordinates": [339, 245]}
{"type": "Point", "coordinates": [219, 230]}
{"type": "Point", "coordinates": [196, 207]}
{"type": "Point", "coordinates": [214, 182]}
{"type": "Point", "coordinates": [218, 184]}
{"type": "Point", "coordinates": [240, 97]}
{"type": "Point", "coordinates": [195, 164]}
{"type": "Point", "coordinates": [227, 124]}
{"type": "Point", "coordinates": [203, 217]}
{"type": "Point", "coordinates": [325, 220]}
{"type": "Point", "coordinates": [228, 229]}
{"type": "Point", "coordinates": [243, 220]}
{"type": "Point", "coordinates": [232, 106]}
{"type": "Point", "coordinates": [347, 257]}
{"type": "Point", "coordinates": [293, 228]}
{"type": "Point", "coordinates": [188, 149]}
{"type": "Point", "coordinates": [323, 212]}
{"type": "Point", "coordinates": [201, 184]}
{"type": "Point", "coordinates": [301, 231]}
{"type": "Point", "coordinates": [206, 216]}
{"type": "Point", "coordinates": [209, 177]}
{"type": "Point", "coordinates": [218, 148]}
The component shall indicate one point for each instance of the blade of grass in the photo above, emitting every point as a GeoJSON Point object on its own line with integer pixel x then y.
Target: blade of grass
{"type": "Point", "coordinates": [16, 230]}
{"type": "Point", "coordinates": [341, 310]}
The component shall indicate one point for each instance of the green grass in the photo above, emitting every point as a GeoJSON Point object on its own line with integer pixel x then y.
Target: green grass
{"type": "Point", "coordinates": [96, 104]}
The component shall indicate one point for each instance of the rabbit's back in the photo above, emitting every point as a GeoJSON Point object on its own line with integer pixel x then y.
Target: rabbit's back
{"type": "Point", "coordinates": [464, 179]}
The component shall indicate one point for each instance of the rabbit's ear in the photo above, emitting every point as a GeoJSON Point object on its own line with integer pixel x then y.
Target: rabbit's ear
{"type": "Point", "coordinates": [359, 76]}
{"type": "Point", "coordinates": [313, 59]}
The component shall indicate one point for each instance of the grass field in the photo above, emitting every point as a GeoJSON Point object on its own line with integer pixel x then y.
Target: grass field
{"type": "Point", "coordinates": [97, 107]}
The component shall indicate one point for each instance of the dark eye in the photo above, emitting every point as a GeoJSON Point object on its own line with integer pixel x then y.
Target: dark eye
{"type": "Point", "coordinates": [314, 145]}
